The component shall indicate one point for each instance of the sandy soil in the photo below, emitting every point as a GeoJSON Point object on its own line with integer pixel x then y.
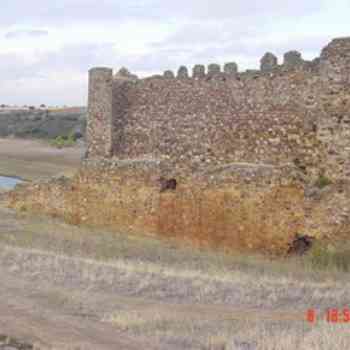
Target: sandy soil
{"type": "Point", "coordinates": [33, 160]}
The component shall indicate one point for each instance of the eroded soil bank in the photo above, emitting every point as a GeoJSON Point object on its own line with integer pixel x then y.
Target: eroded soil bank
{"type": "Point", "coordinates": [242, 207]}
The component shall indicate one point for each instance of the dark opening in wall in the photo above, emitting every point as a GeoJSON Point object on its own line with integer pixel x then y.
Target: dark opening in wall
{"type": "Point", "coordinates": [300, 165]}
{"type": "Point", "coordinates": [167, 185]}
{"type": "Point", "coordinates": [300, 245]}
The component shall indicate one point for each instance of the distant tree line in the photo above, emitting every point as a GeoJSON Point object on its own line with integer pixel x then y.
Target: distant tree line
{"type": "Point", "coordinates": [24, 106]}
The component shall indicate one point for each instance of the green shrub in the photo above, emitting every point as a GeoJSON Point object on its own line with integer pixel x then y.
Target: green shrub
{"type": "Point", "coordinates": [323, 181]}
{"type": "Point", "coordinates": [63, 141]}
{"type": "Point", "coordinates": [326, 258]}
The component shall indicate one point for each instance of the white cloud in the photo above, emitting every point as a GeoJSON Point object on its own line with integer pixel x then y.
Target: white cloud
{"type": "Point", "coordinates": [48, 47]}
{"type": "Point", "coordinates": [26, 33]}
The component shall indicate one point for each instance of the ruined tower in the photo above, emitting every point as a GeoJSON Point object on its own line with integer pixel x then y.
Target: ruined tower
{"type": "Point", "coordinates": [100, 110]}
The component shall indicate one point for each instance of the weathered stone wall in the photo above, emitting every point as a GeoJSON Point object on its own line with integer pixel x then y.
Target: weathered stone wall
{"type": "Point", "coordinates": [197, 124]}
{"type": "Point", "coordinates": [229, 208]}
{"type": "Point", "coordinates": [272, 116]}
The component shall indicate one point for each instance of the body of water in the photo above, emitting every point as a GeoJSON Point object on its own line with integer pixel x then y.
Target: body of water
{"type": "Point", "coordinates": [8, 183]}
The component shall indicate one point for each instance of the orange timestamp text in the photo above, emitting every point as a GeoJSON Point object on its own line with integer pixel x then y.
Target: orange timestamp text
{"type": "Point", "coordinates": [330, 315]}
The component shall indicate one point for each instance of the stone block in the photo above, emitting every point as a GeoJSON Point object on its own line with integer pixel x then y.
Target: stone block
{"type": "Point", "coordinates": [231, 68]}
{"type": "Point", "coordinates": [292, 59]}
{"type": "Point", "coordinates": [268, 62]}
{"type": "Point", "coordinates": [169, 74]}
{"type": "Point", "coordinates": [198, 71]}
{"type": "Point", "coordinates": [182, 73]}
{"type": "Point", "coordinates": [214, 69]}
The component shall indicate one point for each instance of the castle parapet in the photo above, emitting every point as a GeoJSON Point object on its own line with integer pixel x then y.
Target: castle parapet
{"type": "Point", "coordinates": [198, 71]}
{"type": "Point", "coordinates": [124, 74]}
{"type": "Point", "coordinates": [182, 73]}
{"type": "Point", "coordinates": [168, 74]}
{"type": "Point", "coordinates": [293, 59]}
{"type": "Point", "coordinates": [231, 68]}
{"type": "Point", "coordinates": [268, 62]}
{"type": "Point", "coordinates": [213, 69]}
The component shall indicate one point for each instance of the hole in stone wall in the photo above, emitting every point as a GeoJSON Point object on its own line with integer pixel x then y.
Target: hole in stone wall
{"type": "Point", "coordinates": [339, 119]}
{"type": "Point", "coordinates": [167, 184]}
{"type": "Point", "coordinates": [298, 163]}
{"type": "Point", "coordinates": [300, 245]}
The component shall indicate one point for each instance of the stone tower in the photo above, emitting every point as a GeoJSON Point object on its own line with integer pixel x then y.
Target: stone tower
{"type": "Point", "coordinates": [335, 61]}
{"type": "Point", "coordinates": [100, 113]}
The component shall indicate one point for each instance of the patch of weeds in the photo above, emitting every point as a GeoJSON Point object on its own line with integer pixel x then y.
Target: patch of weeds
{"type": "Point", "coordinates": [326, 258]}
{"type": "Point", "coordinates": [22, 208]}
{"type": "Point", "coordinates": [216, 342]}
{"type": "Point", "coordinates": [9, 343]}
{"type": "Point", "coordinates": [63, 141]}
{"type": "Point", "coordinates": [323, 181]}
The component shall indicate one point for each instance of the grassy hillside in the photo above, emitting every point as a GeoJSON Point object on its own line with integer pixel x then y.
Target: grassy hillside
{"type": "Point", "coordinates": [43, 124]}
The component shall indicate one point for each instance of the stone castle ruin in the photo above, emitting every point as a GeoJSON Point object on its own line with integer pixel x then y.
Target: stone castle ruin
{"type": "Point", "coordinates": [272, 116]}
{"type": "Point", "coordinates": [226, 159]}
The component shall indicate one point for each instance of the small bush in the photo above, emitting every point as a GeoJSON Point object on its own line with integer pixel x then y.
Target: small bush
{"type": "Point", "coordinates": [63, 141]}
{"type": "Point", "coordinates": [325, 258]}
{"type": "Point", "coordinates": [323, 181]}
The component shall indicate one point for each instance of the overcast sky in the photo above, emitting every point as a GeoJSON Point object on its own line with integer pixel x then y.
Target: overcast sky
{"type": "Point", "coordinates": [47, 47]}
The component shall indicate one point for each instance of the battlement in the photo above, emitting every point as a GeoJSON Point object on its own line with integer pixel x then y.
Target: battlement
{"type": "Point", "coordinates": [292, 60]}
{"type": "Point", "coordinates": [268, 64]}
{"type": "Point", "coordinates": [217, 115]}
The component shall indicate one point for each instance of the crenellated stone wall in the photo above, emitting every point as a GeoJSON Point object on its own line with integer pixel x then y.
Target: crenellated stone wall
{"type": "Point", "coordinates": [271, 116]}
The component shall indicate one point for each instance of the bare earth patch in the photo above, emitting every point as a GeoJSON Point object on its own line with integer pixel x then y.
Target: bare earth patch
{"type": "Point", "coordinates": [35, 160]}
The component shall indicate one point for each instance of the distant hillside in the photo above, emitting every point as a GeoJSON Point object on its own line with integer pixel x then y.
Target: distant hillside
{"type": "Point", "coordinates": [44, 124]}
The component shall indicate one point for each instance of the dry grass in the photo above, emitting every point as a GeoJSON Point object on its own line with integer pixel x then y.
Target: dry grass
{"type": "Point", "coordinates": [168, 300]}
{"type": "Point", "coordinates": [194, 299]}
{"type": "Point", "coordinates": [324, 336]}
{"type": "Point", "coordinates": [329, 258]}
{"type": "Point", "coordinates": [232, 335]}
